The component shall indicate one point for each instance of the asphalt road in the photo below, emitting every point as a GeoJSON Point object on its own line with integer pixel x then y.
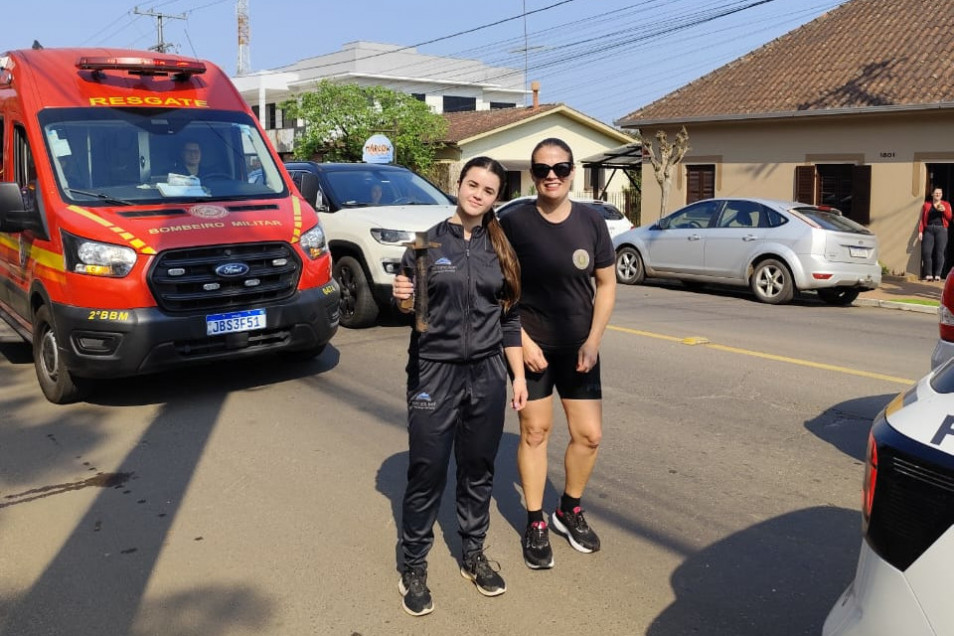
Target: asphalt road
{"type": "Point", "coordinates": [264, 497]}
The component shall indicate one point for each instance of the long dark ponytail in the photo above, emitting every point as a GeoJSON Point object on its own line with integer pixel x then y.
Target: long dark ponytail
{"type": "Point", "coordinates": [505, 254]}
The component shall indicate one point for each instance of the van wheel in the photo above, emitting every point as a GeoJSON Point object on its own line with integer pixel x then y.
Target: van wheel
{"type": "Point", "coordinates": [840, 296]}
{"type": "Point", "coordinates": [358, 309]}
{"type": "Point", "coordinates": [629, 266]}
{"type": "Point", "coordinates": [57, 383]}
{"type": "Point", "coordinates": [772, 283]}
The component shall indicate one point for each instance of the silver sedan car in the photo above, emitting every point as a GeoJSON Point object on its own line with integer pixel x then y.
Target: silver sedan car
{"type": "Point", "coordinates": [774, 247]}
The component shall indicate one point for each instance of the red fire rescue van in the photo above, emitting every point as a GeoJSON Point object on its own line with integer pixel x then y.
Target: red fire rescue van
{"type": "Point", "coordinates": [131, 237]}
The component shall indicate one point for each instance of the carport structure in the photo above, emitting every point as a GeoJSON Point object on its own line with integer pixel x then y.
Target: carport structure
{"type": "Point", "coordinates": [628, 158]}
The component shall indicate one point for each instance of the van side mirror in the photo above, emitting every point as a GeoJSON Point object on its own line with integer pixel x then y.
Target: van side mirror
{"type": "Point", "coordinates": [13, 215]}
{"type": "Point", "coordinates": [310, 191]}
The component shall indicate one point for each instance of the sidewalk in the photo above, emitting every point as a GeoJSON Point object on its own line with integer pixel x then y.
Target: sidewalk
{"type": "Point", "coordinates": [895, 290]}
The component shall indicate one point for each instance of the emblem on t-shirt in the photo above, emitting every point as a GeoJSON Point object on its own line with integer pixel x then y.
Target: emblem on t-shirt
{"type": "Point", "coordinates": [581, 258]}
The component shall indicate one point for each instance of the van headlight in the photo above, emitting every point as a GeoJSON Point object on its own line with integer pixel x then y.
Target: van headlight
{"type": "Point", "coordinates": [84, 256]}
{"type": "Point", "coordinates": [391, 237]}
{"type": "Point", "coordinates": [313, 242]}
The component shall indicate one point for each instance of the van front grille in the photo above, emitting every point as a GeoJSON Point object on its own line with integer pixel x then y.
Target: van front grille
{"type": "Point", "coordinates": [222, 277]}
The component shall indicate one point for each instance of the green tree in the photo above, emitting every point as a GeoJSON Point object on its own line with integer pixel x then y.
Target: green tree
{"type": "Point", "coordinates": [339, 118]}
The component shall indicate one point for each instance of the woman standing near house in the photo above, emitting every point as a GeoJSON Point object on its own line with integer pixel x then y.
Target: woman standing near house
{"type": "Point", "coordinates": [932, 232]}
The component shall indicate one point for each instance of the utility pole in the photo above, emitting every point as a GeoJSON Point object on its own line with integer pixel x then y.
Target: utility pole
{"type": "Point", "coordinates": [161, 45]}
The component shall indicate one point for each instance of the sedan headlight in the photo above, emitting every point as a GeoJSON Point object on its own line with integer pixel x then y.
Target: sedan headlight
{"type": "Point", "coordinates": [84, 256]}
{"type": "Point", "coordinates": [391, 237]}
{"type": "Point", "coordinates": [313, 242]}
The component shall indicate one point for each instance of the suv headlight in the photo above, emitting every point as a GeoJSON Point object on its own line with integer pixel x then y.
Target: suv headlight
{"type": "Point", "coordinates": [84, 256]}
{"type": "Point", "coordinates": [313, 242]}
{"type": "Point", "coordinates": [391, 237]}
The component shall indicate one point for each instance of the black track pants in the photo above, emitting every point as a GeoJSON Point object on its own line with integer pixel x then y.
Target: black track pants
{"type": "Point", "coordinates": [459, 406]}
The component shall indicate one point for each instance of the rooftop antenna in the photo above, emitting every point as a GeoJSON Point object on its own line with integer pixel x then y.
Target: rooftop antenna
{"type": "Point", "coordinates": [244, 64]}
{"type": "Point", "coordinates": [161, 46]}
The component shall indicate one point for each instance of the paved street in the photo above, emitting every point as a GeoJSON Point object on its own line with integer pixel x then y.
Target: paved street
{"type": "Point", "coordinates": [263, 498]}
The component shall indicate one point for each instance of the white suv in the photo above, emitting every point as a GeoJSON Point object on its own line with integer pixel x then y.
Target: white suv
{"type": "Point", "coordinates": [368, 211]}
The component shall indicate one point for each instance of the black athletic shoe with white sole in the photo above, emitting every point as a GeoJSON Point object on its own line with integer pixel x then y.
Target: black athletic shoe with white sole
{"type": "Point", "coordinates": [573, 526]}
{"type": "Point", "coordinates": [537, 553]}
{"type": "Point", "coordinates": [478, 569]}
{"type": "Point", "coordinates": [413, 587]}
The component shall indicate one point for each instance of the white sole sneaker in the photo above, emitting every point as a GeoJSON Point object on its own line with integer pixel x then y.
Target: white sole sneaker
{"type": "Point", "coordinates": [561, 529]}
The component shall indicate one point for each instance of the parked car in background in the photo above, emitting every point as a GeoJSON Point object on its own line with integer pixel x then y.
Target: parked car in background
{"type": "Point", "coordinates": [369, 211]}
{"type": "Point", "coordinates": [774, 247]}
{"type": "Point", "coordinates": [616, 222]}
{"type": "Point", "coordinates": [904, 576]}
{"type": "Point", "coordinates": [944, 350]}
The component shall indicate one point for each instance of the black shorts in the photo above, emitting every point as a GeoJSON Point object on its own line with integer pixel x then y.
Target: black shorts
{"type": "Point", "coordinates": [561, 373]}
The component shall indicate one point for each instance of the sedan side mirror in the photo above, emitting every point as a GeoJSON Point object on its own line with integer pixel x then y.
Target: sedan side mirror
{"type": "Point", "coordinates": [663, 224]}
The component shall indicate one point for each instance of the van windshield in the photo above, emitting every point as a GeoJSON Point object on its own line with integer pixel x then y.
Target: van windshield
{"type": "Point", "coordinates": [110, 156]}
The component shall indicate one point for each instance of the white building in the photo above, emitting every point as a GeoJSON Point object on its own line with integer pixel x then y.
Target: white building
{"type": "Point", "coordinates": [445, 84]}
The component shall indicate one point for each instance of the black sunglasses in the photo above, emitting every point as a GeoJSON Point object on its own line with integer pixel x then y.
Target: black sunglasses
{"type": "Point", "coordinates": [561, 170]}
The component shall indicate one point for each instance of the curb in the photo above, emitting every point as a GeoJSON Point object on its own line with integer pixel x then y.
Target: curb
{"type": "Point", "coordinates": [890, 304]}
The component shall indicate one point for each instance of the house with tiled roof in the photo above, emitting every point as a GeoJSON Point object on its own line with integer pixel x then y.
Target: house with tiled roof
{"type": "Point", "coordinates": [510, 134]}
{"type": "Point", "coordinates": [854, 109]}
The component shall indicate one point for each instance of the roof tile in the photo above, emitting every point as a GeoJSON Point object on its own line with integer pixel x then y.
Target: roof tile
{"type": "Point", "coordinates": [861, 54]}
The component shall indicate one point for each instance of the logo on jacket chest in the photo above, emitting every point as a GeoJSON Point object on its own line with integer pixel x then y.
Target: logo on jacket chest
{"type": "Point", "coordinates": [443, 265]}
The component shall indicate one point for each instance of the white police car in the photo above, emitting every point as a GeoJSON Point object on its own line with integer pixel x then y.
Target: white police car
{"type": "Point", "coordinates": [905, 573]}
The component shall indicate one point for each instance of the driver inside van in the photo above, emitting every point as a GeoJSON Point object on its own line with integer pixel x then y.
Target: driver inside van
{"type": "Point", "coordinates": [190, 157]}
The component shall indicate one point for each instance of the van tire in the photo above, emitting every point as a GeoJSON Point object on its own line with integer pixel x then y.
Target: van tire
{"type": "Point", "coordinates": [358, 307]}
{"type": "Point", "coordinates": [57, 383]}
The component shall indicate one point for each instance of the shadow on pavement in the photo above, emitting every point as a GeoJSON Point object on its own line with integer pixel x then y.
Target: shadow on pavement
{"type": "Point", "coordinates": [778, 577]}
{"type": "Point", "coordinates": [392, 479]}
{"type": "Point", "coordinates": [96, 582]}
{"type": "Point", "coordinates": [846, 424]}
{"type": "Point", "coordinates": [217, 377]}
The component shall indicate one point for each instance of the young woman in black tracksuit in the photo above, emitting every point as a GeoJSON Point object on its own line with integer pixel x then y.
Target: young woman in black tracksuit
{"type": "Point", "coordinates": [457, 379]}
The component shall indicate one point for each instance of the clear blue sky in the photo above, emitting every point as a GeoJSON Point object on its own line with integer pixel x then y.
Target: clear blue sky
{"type": "Point", "coordinates": [604, 58]}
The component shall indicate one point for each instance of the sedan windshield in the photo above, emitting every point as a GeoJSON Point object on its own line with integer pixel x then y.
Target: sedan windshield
{"type": "Point", "coordinates": [149, 155]}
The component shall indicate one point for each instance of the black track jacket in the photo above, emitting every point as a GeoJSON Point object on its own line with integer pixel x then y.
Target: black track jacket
{"type": "Point", "coordinates": [464, 285]}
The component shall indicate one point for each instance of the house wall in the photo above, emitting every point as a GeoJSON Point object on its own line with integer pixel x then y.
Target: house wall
{"type": "Point", "coordinates": [759, 159]}
{"type": "Point", "coordinates": [512, 147]}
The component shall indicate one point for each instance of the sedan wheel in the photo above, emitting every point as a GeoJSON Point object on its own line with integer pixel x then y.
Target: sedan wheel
{"type": "Point", "coordinates": [629, 266]}
{"type": "Point", "coordinates": [772, 283]}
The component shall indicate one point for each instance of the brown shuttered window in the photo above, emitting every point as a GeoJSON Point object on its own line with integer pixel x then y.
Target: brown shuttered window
{"type": "Point", "coordinates": [700, 183]}
{"type": "Point", "coordinates": [805, 184]}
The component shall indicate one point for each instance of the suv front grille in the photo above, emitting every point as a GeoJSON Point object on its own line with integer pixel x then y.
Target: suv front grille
{"type": "Point", "coordinates": [186, 280]}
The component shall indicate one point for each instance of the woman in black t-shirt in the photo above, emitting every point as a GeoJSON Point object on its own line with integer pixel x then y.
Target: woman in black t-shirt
{"type": "Point", "coordinates": [563, 248]}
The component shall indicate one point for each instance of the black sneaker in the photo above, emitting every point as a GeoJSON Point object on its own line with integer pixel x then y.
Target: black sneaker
{"type": "Point", "coordinates": [537, 553]}
{"type": "Point", "coordinates": [478, 569]}
{"type": "Point", "coordinates": [573, 526]}
{"type": "Point", "coordinates": [413, 587]}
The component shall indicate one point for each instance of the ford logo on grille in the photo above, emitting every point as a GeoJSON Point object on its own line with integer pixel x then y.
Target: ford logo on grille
{"type": "Point", "coordinates": [230, 270]}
